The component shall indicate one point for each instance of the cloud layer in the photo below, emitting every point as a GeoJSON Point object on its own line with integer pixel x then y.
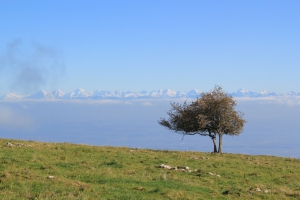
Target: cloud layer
{"type": "Point", "coordinates": [271, 128]}
{"type": "Point", "coordinates": [12, 118]}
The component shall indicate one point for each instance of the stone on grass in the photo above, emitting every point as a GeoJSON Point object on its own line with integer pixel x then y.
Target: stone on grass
{"type": "Point", "coordinates": [257, 189]}
{"type": "Point", "coordinates": [165, 166]}
{"type": "Point", "coordinates": [9, 144]}
{"type": "Point", "coordinates": [183, 167]}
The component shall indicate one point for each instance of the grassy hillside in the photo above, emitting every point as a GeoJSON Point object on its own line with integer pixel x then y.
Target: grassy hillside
{"type": "Point", "coordinates": [34, 170]}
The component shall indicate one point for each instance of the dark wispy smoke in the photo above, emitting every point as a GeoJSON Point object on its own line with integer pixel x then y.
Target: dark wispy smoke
{"type": "Point", "coordinates": [29, 69]}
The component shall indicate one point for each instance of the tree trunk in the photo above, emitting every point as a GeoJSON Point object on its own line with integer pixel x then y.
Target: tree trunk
{"type": "Point", "coordinates": [215, 144]}
{"type": "Point", "coordinates": [213, 138]}
{"type": "Point", "coordinates": [220, 143]}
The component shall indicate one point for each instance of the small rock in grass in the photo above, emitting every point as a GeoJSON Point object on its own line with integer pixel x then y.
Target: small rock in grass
{"type": "Point", "coordinates": [165, 166]}
{"type": "Point", "coordinates": [50, 177]}
{"type": "Point", "coordinates": [168, 167]}
{"type": "Point", "coordinates": [139, 188]}
{"type": "Point", "coordinates": [210, 173]}
{"type": "Point", "coordinates": [183, 167]}
{"type": "Point", "coordinates": [9, 144]}
{"type": "Point", "coordinates": [204, 158]}
{"type": "Point", "coordinates": [218, 175]}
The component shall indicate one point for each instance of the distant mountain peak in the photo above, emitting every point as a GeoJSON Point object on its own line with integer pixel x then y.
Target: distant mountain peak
{"type": "Point", "coordinates": [242, 90]}
{"type": "Point", "coordinates": [11, 95]}
{"type": "Point", "coordinates": [42, 94]}
{"type": "Point", "coordinates": [120, 94]}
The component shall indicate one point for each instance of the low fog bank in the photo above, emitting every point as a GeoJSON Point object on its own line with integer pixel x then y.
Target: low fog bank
{"type": "Point", "coordinates": [271, 128]}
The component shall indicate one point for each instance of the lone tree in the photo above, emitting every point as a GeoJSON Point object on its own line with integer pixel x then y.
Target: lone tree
{"type": "Point", "coordinates": [210, 115]}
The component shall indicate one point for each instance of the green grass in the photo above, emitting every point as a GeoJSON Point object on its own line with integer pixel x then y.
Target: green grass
{"type": "Point", "coordinates": [91, 172]}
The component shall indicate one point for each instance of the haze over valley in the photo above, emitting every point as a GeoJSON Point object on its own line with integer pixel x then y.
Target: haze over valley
{"type": "Point", "coordinates": [271, 126]}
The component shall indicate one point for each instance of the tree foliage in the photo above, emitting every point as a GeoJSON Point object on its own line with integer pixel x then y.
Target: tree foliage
{"type": "Point", "coordinates": [210, 115]}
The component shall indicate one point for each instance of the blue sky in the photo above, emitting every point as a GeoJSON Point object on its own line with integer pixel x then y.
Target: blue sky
{"type": "Point", "coordinates": [136, 45]}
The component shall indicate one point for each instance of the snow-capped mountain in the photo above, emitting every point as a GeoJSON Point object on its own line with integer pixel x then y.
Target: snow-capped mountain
{"type": "Point", "coordinates": [99, 94]}
{"type": "Point", "coordinates": [58, 94]}
{"type": "Point", "coordinates": [162, 93]}
{"type": "Point", "coordinates": [292, 93]}
{"type": "Point", "coordinates": [120, 94]}
{"type": "Point", "coordinates": [130, 94]}
{"type": "Point", "coordinates": [246, 93]}
{"type": "Point", "coordinates": [42, 94]}
{"type": "Point", "coordinates": [78, 94]}
{"type": "Point", "coordinates": [193, 93]}
{"type": "Point", "coordinates": [11, 95]}
{"type": "Point", "coordinates": [243, 93]}
{"type": "Point", "coordinates": [265, 93]}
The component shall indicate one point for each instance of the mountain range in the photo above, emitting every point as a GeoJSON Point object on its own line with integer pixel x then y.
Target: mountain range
{"type": "Point", "coordinates": [120, 94]}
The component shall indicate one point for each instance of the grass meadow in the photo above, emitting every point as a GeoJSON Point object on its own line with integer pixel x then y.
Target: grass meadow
{"type": "Point", "coordinates": [39, 170]}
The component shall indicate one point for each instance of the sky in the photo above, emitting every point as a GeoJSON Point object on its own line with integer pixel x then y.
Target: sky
{"type": "Point", "coordinates": [148, 45]}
